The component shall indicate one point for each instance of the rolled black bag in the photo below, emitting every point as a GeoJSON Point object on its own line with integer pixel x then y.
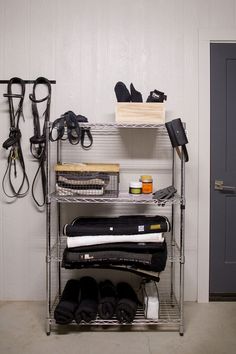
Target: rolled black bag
{"type": "Point", "coordinates": [65, 310]}
{"type": "Point", "coordinates": [127, 303]}
{"type": "Point", "coordinates": [107, 299]}
{"type": "Point", "coordinates": [88, 300]}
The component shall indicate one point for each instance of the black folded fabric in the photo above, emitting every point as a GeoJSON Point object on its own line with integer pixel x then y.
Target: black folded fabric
{"type": "Point", "coordinates": [107, 299]}
{"type": "Point", "coordinates": [81, 187]}
{"type": "Point", "coordinates": [127, 303]}
{"type": "Point", "coordinates": [145, 260]}
{"type": "Point", "coordinates": [64, 311]}
{"type": "Point", "coordinates": [88, 300]}
{"type": "Point", "coordinates": [123, 225]}
{"type": "Point", "coordinates": [138, 247]}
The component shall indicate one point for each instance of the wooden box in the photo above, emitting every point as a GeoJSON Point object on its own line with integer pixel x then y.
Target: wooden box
{"type": "Point", "coordinates": [87, 167]}
{"type": "Point", "coordinates": [140, 113]}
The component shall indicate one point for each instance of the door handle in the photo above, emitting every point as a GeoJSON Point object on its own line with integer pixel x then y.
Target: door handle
{"type": "Point", "coordinates": [219, 186]}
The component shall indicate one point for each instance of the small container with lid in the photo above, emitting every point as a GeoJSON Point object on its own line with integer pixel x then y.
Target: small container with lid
{"type": "Point", "coordinates": [147, 184]}
{"type": "Point", "coordinates": [135, 187]}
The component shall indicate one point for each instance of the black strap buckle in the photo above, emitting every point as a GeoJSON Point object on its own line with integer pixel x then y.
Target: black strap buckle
{"type": "Point", "coordinates": [14, 137]}
{"type": "Point", "coordinates": [38, 140]}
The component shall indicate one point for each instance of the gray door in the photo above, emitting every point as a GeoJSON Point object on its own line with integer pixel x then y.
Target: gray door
{"type": "Point", "coordinates": [223, 170]}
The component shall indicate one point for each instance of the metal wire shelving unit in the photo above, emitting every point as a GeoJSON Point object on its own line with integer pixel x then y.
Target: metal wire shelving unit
{"type": "Point", "coordinates": [124, 198]}
{"type": "Point", "coordinates": [171, 286]}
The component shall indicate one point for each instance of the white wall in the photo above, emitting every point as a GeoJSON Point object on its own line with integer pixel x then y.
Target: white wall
{"type": "Point", "coordinates": [87, 46]}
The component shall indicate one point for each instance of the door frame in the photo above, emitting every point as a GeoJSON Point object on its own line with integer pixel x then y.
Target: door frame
{"type": "Point", "coordinates": [206, 37]}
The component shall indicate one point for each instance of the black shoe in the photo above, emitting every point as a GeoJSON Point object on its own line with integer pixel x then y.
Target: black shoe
{"type": "Point", "coordinates": [122, 93]}
{"type": "Point", "coordinates": [156, 96]}
{"type": "Point", "coordinates": [135, 95]}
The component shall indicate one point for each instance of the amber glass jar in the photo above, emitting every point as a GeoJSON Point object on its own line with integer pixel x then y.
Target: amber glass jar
{"type": "Point", "coordinates": [147, 184]}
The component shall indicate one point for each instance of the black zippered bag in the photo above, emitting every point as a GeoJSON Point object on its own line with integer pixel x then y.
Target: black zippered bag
{"type": "Point", "coordinates": [177, 136]}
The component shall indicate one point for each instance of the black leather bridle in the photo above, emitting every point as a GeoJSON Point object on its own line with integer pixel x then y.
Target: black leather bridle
{"type": "Point", "coordinates": [68, 127]}
{"type": "Point", "coordinates": [38, 140]}
{"type": "Point", "coordinates": [15, 157]}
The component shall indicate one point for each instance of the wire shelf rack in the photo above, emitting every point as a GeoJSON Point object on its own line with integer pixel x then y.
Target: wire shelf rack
{"type": "Point", "coordinates": [123, 198]}
{"type": "Point", "coordinates": [173, 252]}
{"type": "Point", "coordinates": [168, 315]}
{"type": "Point", "coordinates": [108, 126]}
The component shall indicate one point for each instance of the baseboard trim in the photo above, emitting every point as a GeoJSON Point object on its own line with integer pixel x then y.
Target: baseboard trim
{"type": "Point", "coordinates": [222, 297]}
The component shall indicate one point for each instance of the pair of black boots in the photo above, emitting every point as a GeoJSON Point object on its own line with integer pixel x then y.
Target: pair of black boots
{"type": "Point", "coordinates": [124, 95]}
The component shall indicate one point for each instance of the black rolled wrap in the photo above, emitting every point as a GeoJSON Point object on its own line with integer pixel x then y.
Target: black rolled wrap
{"type": "Point", "coordinates": [107, 299]}
{"type": "Point", "coordinates": [64, 311]}
{"type": "Point", "coordinates": [88, 300]}
{"type": "Point", "coordinates": [127, 303]}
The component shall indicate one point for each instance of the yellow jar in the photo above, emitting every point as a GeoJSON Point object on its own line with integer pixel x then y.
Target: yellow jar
{"type": "Point", "coordinates": [147, 184]}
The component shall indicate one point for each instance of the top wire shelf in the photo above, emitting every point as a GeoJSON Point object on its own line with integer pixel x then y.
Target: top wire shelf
{"type": "Point", "coordinates": [109, 126]}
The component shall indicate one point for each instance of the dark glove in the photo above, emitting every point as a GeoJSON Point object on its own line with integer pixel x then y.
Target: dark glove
{"type": "Point", "coordinates": [165, 193]}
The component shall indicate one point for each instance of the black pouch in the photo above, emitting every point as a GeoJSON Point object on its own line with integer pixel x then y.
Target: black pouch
{"type": "Point", "coordinates": [177, 136]}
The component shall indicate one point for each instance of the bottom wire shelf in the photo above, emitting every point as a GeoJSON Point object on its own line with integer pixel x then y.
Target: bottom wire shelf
{"type": "Point", "coordinates": [169, 317]}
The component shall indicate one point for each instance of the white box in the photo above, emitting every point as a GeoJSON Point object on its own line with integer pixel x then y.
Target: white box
{"type": "Point", "coordinates": [151, 301]}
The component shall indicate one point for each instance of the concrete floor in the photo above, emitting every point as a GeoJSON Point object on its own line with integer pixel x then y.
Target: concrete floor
{"type": "Point", "coordinates": [210, 329]}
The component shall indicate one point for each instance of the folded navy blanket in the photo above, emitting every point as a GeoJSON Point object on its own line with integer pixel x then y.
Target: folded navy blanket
{"type": "Point", "coordinates": [107, 299]}
{"type": "Point", "coordinates": [88, 300]}
{"type": "Point", "coordinates": [127, 303]}
{"type": "Point", "coordinates": [65, 310]}
{"type": "Point", "coordinates": [131, 224]}
{"type": "Point", "coordinates": [145, 260]}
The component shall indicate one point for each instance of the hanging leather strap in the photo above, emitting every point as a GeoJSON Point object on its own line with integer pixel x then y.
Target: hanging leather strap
{"type": "Point", "coordinates": [38, 140]}
{"type": "Point", "coordinates": [86, 132]}
{"type": "Point", "coordinates": [15, 157]}
{"type": "Point", "coordinates": [68, 127]}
